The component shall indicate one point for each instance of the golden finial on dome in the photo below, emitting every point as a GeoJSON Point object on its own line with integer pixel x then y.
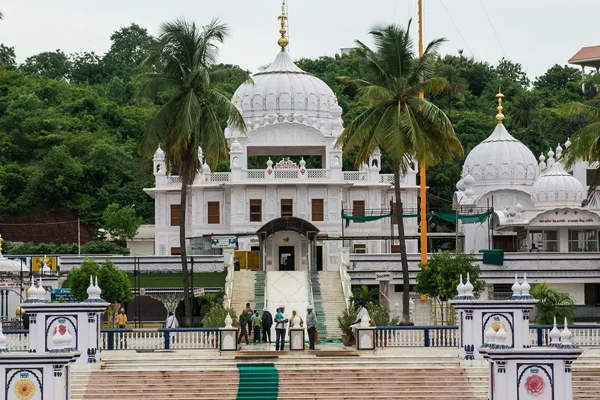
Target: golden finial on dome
{"type": "Point", "coordinates": [335, 100]}
{"type": "Point", "coordinates": [500, 116]}
{"type": "Point", "coordinates": [283, 41]}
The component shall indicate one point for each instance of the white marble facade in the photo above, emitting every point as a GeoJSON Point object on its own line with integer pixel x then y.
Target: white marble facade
{"type": "Point", "coordinates": [287, 112]}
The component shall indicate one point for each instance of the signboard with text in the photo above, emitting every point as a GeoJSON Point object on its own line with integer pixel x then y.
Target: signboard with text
{"type": "Point", "coordinates": [199, 292]}
{"type": "Point", "coordinates": [62, 296]}
{"type": "Point", "coordinates": [221, 242]}
{"type": "Point", "coordinates": [566, 217]}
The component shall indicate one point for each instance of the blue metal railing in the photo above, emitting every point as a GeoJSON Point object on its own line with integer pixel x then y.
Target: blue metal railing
{"type": "Point", "coordinates": [385, 336]}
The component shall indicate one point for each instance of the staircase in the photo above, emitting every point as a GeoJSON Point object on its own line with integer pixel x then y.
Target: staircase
{"type": "Point", "coordinates": [432, 374]}
{"type": "Point", "coordinates": [243, 290]}
{"type": "Point", "coordinates": [318, 304]}
{"type": "Point", "coordinates": [259, 291]}
{"type": "Point", "coordinates": [329, 302]}
{"type": "Point", "coordinates": [586, 371]}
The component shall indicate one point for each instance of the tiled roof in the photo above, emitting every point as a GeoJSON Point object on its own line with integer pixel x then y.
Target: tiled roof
{"type": "Point", "coordinates": [586, 54]}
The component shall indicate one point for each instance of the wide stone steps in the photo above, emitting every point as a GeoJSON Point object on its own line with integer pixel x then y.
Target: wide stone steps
{"type": "Point", "coordinates": [243, 290]}
{"type": "Point", "coordinates": [385, 383]}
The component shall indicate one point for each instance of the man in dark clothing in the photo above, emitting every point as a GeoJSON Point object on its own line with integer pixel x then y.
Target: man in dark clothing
{"type": "Point", "coordinates": [243, 327]}
{"type": "Point", "coordinates": [311, 325]}
{"type": "Point", "coordinates": [267, 323]}
{"type": "Point", "coordinates": [249, 314]}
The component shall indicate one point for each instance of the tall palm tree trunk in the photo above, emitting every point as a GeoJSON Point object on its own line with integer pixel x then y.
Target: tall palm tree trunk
{"type": "Point", "coordinates": [182, 221]}
{"type": "Point", "coordinates": [401, 238]}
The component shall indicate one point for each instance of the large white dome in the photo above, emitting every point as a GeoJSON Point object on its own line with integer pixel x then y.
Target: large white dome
{"type": "Point", "coordinates": [557, 188]}
{"type": "Point", "coordinates": [501, 159]}
{"type": "Point", "coordinates": [285, 91]}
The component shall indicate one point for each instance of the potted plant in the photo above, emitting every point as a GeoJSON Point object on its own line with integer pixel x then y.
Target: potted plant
{"type": "Point", "coordinates": [346, 319]}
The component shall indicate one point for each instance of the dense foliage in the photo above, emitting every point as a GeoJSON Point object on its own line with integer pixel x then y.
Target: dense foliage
{"type": "Point", "coordinates": [70, 125]}
{"type": "Point", "coordinates": [552, 304]}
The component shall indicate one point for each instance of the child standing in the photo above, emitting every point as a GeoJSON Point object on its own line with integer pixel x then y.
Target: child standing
{"type": "Point", "coordinates": [257, 323]}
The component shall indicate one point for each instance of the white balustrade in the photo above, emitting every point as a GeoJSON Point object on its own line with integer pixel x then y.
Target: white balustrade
{"type": "Point", "coordinates": [319, 174]}
{"type": "Point", "coordinates": [193, 339]}
{"type": "Point", "coordinates": [286, 173]}
{"type": "Point", "coordinates": [353, 176]}
{"type": "Point", "coordinates": [174, 180]}
{"type": "Point", "coordinates": [255, 174]}
{"type": "Point", "coordinates": [220, 177]}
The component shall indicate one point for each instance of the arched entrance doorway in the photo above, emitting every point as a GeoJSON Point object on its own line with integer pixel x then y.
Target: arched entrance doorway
{"type": "Point", "coordinates": [288, 244]}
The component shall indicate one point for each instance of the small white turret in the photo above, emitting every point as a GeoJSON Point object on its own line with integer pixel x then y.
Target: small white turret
{"type": "Point", "coordinates": [554, 336]}
{"type": "Point", "coordinates": [516, 288]}
{"type": "Point", "coordinates": [525, 288]}
{"type": "Point", "coordinates": [542, 162]}
{"type": "Point", "coordinates": [468, 182]}
{"type": "Point", "coordinates": [550, 158]}
{"type": "Point", "coordinates": [559, 151]}
{"type": "Point", "coordinates": [228, 321]}
{"type": "Point", "coordinates": [568, 143]}
{"type": "Point", "coordinates": [490, 337]}
{"type": "Point", "coordinates": [461, 287]}
{"type": "Point", "coordinates": [469, 287]}
{"type": "Point", "coordinates": [500, 338]}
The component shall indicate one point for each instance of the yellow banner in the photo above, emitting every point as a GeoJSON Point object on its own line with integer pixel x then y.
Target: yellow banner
{"type": "Point", "coordinates": [38, 262]}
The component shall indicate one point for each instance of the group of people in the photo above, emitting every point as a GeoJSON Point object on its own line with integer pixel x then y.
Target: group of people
{"type": "Point", "coordinates": [252, 322]}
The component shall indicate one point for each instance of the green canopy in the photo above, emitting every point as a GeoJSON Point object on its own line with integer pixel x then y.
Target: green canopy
{"type": "Point", "coordinates": [449, 216]}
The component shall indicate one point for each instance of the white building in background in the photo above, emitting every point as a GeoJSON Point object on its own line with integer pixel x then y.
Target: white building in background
{"type": "Point", "coordinates": [284, 213]}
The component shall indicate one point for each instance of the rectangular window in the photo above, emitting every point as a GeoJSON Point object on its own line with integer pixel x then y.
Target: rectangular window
{"type": "Point", "coordinates": [582, 240]}
{"type": "Point", "coordinates": [590, 174]}
{"type": "Point", "coordinates": [358, 209]}
{"type": "Point", "coordinates": [317, 210]}
{"type": "Point", "coordinates": [175, 251]}
{"type": "Point", "coordinates": [287, 207]}
{"type": "Point", "coordinates": [175, 214]}
{"type": "Point", "coordinates": [214, 212]}
{"type": "Point", "coordinates": [543, 241]}
{"type": "Point", "coordinates": [360, 248]}
{"type": "Point", "coordinates": [255, 210]}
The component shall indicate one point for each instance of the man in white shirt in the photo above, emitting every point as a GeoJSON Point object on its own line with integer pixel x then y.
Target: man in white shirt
{"type": "Point", "coordinates": [282, 323]}
{"type": "Point", "coordinates": [362, 313]}
{"type": "Point", "coordinates": [171, 322]}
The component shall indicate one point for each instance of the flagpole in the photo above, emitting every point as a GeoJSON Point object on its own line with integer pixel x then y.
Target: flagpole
{"type": "Point", "coordinates": [422, 168]}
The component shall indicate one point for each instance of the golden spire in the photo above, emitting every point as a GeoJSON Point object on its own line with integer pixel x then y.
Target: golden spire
{"type": "Point", "coordinates": [283, 41]}
{"type": "Point", "coordinates": [1, 241]}
{"type": "Point", "coordinates": [500, 116]}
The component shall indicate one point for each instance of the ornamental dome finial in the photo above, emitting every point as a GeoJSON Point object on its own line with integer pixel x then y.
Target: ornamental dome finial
{"type": "Point", "coordinates": [283, 41]}
{"type": "Point", "coordinates": [500, 116]}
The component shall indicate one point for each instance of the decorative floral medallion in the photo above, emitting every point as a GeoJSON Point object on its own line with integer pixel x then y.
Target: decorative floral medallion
{"type": "Point", "coordinates": [25, 389]}
{"type": "Point", "coordinates": [535, 385]}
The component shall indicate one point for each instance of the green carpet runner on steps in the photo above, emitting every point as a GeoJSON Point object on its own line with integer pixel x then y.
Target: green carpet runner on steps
{"type": "Point", "coordinates": [318, 306]}
{"type": "Point", "coordinates": [258, 381]}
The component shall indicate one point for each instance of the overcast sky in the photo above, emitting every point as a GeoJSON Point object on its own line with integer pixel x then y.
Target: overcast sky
{"type": "Point", "coordinates": [535, 33]}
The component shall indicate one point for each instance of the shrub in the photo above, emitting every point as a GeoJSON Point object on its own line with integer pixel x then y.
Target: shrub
{"type": "Point", "coordinates": [215, 318]}
{"type": "Point", "coordinates": [347, 318]}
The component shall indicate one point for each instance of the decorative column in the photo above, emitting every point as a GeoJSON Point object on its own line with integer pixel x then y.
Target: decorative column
{"type": "Point", "coordinates": [541, 372]}
{"type": "Point", "coordinates": [476, 317]}
{"type": "Point", "coordinates": [80, 320]}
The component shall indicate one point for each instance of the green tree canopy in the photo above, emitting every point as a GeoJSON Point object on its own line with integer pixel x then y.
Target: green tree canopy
{"type": "Point", "coordinates": [113, 281]}
{"type": "Point", "coordinates": [552, 304]}
{"type": "Point", "coordinates": [121, 222]}
{"type": "Point", "coordinates": [50, 64]}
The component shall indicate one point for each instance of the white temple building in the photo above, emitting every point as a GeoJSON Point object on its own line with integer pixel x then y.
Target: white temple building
{"type": "Point", "coordinates": [539, 207]}
{"type": "Point", "coordinates": [285, 215]}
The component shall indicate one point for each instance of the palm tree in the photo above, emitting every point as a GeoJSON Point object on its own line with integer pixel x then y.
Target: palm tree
{"type": "Point", "coordinates": [396, 120]}
{"type": "Point", "coordinates": [524, 109]}
{"type": "Point", "coordinates": [585, 142]}
{"type": "Point", "coordinates": [552, 304]}
{"type": "Point", "coordinates": [181, 64]}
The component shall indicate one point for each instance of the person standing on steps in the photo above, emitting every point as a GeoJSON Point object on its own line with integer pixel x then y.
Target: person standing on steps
{"type": "Point", "coordinates": [249, 314]}
{"type": "Point", "coordinates": [267, 323]}
{"type": "Point", "coordinates": [257, 324]}
{"type": "Point", "coordinates": [243, 327]}
{"type": "Point", "coordinates": [311, 326]}
{"type": "Point", "coordinates": [281, 321]}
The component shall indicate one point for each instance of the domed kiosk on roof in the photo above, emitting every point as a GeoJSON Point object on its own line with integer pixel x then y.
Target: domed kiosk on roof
{"type": "Point", "coordinates": [501, 159]}
{"type": "Point", "coordinates": [557, 188]}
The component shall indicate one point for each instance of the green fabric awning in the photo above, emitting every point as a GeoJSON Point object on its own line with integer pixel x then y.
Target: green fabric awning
{"type": "Point", "coordinates": [450, 216]}
{"type": "Point", "coordinates": [447, 216]}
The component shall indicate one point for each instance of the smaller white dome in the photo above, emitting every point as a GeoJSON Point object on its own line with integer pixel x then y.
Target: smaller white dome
{"type": "Point", "coordinates": [236, 147]}
{"type": "Point", "coordinates": [557, 188]}
{"type": "Point", "coordinates": [7, 265]}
